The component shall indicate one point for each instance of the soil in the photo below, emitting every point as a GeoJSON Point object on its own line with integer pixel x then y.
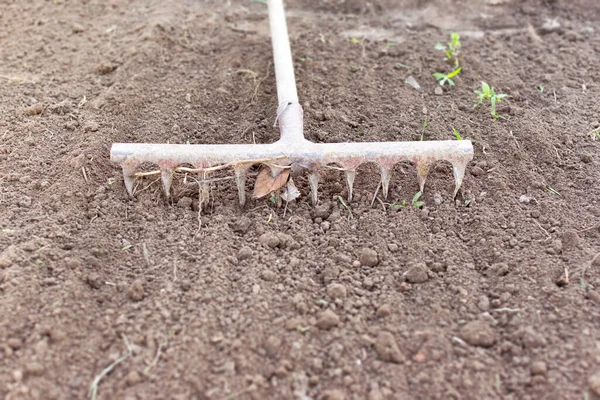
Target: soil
{"type": "Point", "coordinates": [493, 295]}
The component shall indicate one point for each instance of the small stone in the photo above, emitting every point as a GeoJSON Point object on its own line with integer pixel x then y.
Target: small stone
{"type": "Point", "coordinates": [272, 346]}
{"type": "Point", "coordinates": [551, 25]}
{"type": "Point", "coordinates": [91, 126]}
{"type": "Point", "coordinates": [438, 91]}
{"type": "Point", "coordinates": [478, 333]}
{"type": "Point", "coordinates": [570, 240]}
{"type": "Point", "coordinates": [327, 320]}
{"type": "Point", "coordinates": [572, 36]}
{"type": "Point", "coordinates": [387, 349]}
{"type": "Point", "coordinates": [322, 211]}
{"type": "Point", "coordinates": [185, 202]}
{"type": "Point", "coordinates": [268, 275]}
{"type": "Point", "coordinates": [135, 291]}
{"type": "Point", "coordinates": [333, 395]}
{"type": "Point", "coordinates": [417, 274]}
{"type": "Point", "coordinates": [587, 31]}
{"type": "Point", "coordinates": [383, 311]}
{"type": "Point", "coordinates": [244, 253]}
{"type": "Point", "coordinates": [269, 239]}
{"type": "Point", "coordinates": [35, 109]}
{"type": "Point", "coordinates": [242, 225]}
{"type": "Point", "coordinates": [393, 247]}
{"type": "Point", "coordinates": [133, 378]}
{"type": "Point", "coordinates": [77, 28]}
{"type": "Point", "coordinates": [14, 343]}
{"type": "Point", "coordinates": [34, 369]}
{"type": "Point", "coordinates": [594, 295]}
{"type": "Point", "coordinates": [484, 303]}
{"type": "Point", "coordinates": [94, 280]}
{"type": "Point", "coordinates": [325, 225]}
{"type": "Point", "coordinates": [477, 171]}
{"type": "Point", "coordinates": [17, 375]}
{"type": "Point", "coordinates": [535, 214]}
{"type": "Point", "coordinates": [105, 68]}
{"type": "Point", "coordinates": [594, 382]}
{"type": "Point", "coordinates": [539, 368]}
{"type": "Point", "coordinates": [500, 269]}
{"type": "Point", "coordinates": [586, 158]}
{"type": "Point", "coordinates": [336, 291]}
{"type": "Point", "coordinates": [368, 257]}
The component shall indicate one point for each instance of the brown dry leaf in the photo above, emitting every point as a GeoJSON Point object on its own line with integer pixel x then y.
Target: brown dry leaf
{"type": "Point", "coordinates": [266, 183]}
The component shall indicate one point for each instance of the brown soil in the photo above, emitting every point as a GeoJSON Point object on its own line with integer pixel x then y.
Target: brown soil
{"type": "Point", "coordinates": [447, 302]}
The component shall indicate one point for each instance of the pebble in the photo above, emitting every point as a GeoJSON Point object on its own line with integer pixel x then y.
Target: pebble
{"type": "Point", "coordinates": [14, 343]}
{"type": "Point", "coordinates": [91, 126]}
{"type": "Point", "coordinates": [368, 257]}
{"type": "Point", "coordinates": [322, 211]}
{"type": "Point", "coordinates": [244, 253]}
{"type": "Point", "coordinates": [269, 239]}
{"type": "Point", "coordinates": [17, 375]}
{"type": "Point", "coordinates": [586, 158]}
{"type": "Point", "coordinates": [538, 368]}
{"type": "Point", "coordinates": [77, 28]}
{"type": "Point", "coordinates": [135, 291]}
{"type": "Point", "coordinates": [478, 333]}
{"type": "Point", "coordinates": [393, 247]}
{"type": "Point", "coordinates": [333, 395]}
{"type": "Point", "coordinates": [327, 320]}
{"type": "Point", "coordinates": [438, 91]}
{"type": "Point", "coordinates": [34, 369]}
{"type": "Point", "coordinates": [594, 382]}
{"type": "Point", "coordinates": [551, 25]}
{"type": "Point", "coordinates": [94, 280]}
{"type": "Point", "coordinates": [417, 274]}
{"type": "Point", "coordinates": [594, 296]}
{"type": "Point", "coordinates": [484, 303]}
{"type": "Point", "coordinates": [387, 349]}
{"type": "Point", "coordinates": [383, 311]}
{"type": "Point", "coordinates": [477, 171]}
{"type": "Point", "coordinates": [185, 202]}
{"type": "Point", "coordinates": [336, 291]}
{"type": "Point", "coordinates": [268, 275]}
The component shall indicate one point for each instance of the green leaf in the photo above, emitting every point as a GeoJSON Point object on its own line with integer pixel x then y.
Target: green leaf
{"type": "Point", "coordinates": [418, 204]}
{"type": "Point", "coordinates": [355, 40]}
{"type": "Point", "coordinates": [450, 81]}
{"type": "Point", "coordinates": [485, 88]}
{"type": "Point", "coordinates": [440, 46]}
{"type": "Point", "coordinates": [455, 72]}
{"type": "Point", "coordinates": [439, 75]}
{"type": "Point", "coordinates": [260, 1]}
{"type": "Point", "coordinates": [416, 197]}
{"type": "Point", "coordinates": [457, 134]}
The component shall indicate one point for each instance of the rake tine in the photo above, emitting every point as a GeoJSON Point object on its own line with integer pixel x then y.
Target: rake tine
{"type": "Point", "coordinates": [386, 175]}
{"type": "Point", "coordinates": [166, 176]}
{"type": "Point", "coordinates": [422, 171]}
{"type": "Point", "coordinates": [459, 169]}
{"type": "Point", "coordinates": [129, 178]}
{"type": "Point", "coordinates": [313, 180]}
{"type": "Point", "coordinates": [350, 175]}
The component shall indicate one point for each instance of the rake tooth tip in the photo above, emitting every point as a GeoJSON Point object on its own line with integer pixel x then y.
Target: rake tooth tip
{"type": "Point", "coordinates": [386, 175]}
{"type": "Point", "coordinates": [167, 178]}
{"type": "Point", "coordinates": [313, 180]}
{"type": "Point", "coordinates": [350, 175]}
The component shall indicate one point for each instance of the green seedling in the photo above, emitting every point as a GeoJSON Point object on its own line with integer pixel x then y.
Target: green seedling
{"type": "Point", "coordinates": [443, 78]}
{"type": "Point", "coordinates": [423, 131]}
{"type": "Point", "coordinates": [260, 1]}
{"type": "Point", "coordinates": [540, 88]}
{"type": "Point", "coordinates": [552, 191]}
{"type": "Point", "coordinates": [400, 65]}
{"type": "Point", "coordinates": [416, 203]}
{"type": "Point", "coordinates": [353, 68]}
{"type": "Point", "coordinates": [390, 44]}
{"type": "Point", "coordinates": [355, 40]}
{"type": "Point", "coordinates": [457, 134]}
{"type": "Point", "coordinates": [452, 50]}
{"type": "Point", "coordinates": [347, 207]}
{"type": "Point", "coordinates": [395, 206]}
{"type": "Point", "coordinates": [488, 93]}
{"type": "Point", "coordinates": [304, 59]}
{"type": "Point", "coordinates": [467, 202]}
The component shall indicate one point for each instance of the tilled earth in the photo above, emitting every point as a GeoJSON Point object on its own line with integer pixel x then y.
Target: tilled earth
{"type": "Point", "coordinates": [494, 294]}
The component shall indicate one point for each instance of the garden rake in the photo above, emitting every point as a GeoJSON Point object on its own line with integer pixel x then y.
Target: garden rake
{"type": "Point", "coordinates": [292, 151]}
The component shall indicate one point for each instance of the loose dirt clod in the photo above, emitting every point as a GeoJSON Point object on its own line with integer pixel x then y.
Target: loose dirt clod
{"type": "Point", "coordinates": [135, 292]}
{"type": "Point", "coordinates": [327, 320]}
{"type": "Point", "coordinates": [417, 274]}
{"type": "Point", "coordinates": [336, 291]}
{"type": "Point", "coordinates": [478, 333]}
{"type": "Point", "coordinates": [270, 240]}
{"type": "Point", "coordinates": [368, 257]}
{"type": "Point", "coordinates": [538, 368]}
{"type": "Point", "coordinates": [387, 349]}
{"type": "Point", "coordinates": [245, 253]}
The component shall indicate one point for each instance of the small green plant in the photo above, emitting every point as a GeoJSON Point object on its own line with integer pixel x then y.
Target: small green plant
{"type": "Point", "coordinates": [416, 203]}
{"type": "Point", "coordinates": [398, 205]}
{"type": "Point", "coordinates": [488, 93]}
{"type": "Point", "coordinates": [540, 88]}
{"type": "Point", "coordinates": [353, 68]}
{"type": "Point", "coordinates": [452, 50]}
{"type": "Point", "coordinates": [423, 131]}
{"type": "Point", "coordinates": [457, 134]}
{"type": "Point", "coordinates": [443, 78]}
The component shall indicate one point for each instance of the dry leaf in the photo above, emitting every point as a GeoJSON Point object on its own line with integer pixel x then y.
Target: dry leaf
{"type": "Point", "coordinates": [266, 183]}
{"type": "Point", "coordinates": [290, 192]}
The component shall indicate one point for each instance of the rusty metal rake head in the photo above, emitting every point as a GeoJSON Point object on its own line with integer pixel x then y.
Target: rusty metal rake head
{"type": "Point", "coordinates": [292, 149]}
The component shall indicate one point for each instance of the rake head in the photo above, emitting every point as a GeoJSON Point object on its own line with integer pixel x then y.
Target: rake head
{"type": "Point", "coordinates": [292, 150]}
